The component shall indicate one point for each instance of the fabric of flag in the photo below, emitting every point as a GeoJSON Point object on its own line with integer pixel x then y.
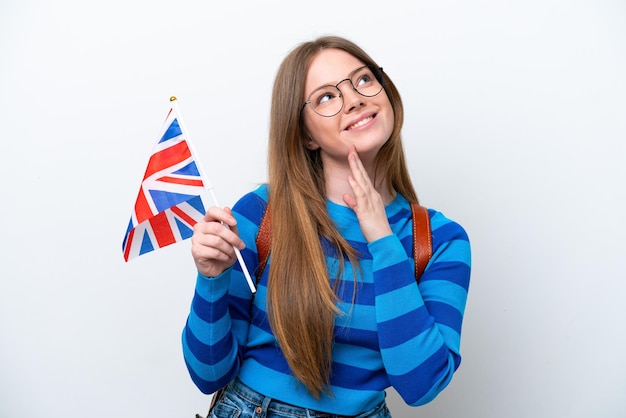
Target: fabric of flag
{"type": "Point", "coordinates": [169, 202]}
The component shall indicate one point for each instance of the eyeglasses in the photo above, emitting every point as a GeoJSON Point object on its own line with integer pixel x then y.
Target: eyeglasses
{"type": "Point", "coordinates": [327, 100]}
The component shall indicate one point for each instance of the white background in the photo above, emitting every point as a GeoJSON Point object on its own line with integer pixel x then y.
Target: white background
{"type": "Point", "coordinates": [515, 127]}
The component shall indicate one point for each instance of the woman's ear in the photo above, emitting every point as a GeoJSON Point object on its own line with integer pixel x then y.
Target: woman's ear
{"type": "Point", "coordinates": [310, 143]}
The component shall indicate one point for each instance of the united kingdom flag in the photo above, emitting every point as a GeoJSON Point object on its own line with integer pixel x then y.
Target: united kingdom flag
{"type": "Point", "coordinates": [169, 203]}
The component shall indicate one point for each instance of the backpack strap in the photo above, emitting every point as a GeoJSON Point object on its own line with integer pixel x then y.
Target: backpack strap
{"type": "Point", "coordinates": [264, 242]}
{"type": "Point", "coordinates": [422, 240]}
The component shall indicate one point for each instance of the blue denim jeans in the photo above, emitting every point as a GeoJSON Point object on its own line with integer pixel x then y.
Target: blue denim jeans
{"type": "Point", "coordinates": [240, 401]}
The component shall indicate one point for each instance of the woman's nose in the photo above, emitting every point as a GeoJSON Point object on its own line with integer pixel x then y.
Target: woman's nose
{"type": "Point", "coordinates": [351, 99]}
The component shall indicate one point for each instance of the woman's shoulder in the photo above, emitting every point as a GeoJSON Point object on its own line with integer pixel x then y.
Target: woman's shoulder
{"type": "Point", "coordinates": [441, 222]}
{"type": "Point", "coordinates": [450, 240]}
{"type": "Point", "coordinates": [443, 225]}
{"type": "Point", "coordinates": [252, 205]}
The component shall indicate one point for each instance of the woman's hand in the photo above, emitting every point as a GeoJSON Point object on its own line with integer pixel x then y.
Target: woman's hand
{"type": "Point", "coordinates": [366, 202]}
{"type": "Point", "coordinates": [213, 240]}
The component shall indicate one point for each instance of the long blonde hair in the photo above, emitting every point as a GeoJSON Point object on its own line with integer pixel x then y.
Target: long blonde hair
{"type": "Point", "coordinates": [301, 303]}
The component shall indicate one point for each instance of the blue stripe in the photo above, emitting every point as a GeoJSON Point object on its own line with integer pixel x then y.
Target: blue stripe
{"type": "Point", "coordinates": [453, 251]}
{"type": "Point", "coordinates": [452, 338]}
{"type": "Point", "coordinates": [398, 302]}
{"type": "Point", "coordinates": [437, 220]}
{"type": "Point", "coordinates": [357, 356]}
{"type": "Point", "coordinates": [212, 289]}
{"type": "Point", "coordinates": [357, 317]}
{"type": "Point", "coordinates": [200, 328]}
{"type": "Point", "coordinates": [444, 292]}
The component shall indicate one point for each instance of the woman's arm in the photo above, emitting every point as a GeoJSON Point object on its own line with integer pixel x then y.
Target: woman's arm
{"type": "Point", "coordinates": [419, 327]}
{"type": "Point", "coordinates": [214, 337]}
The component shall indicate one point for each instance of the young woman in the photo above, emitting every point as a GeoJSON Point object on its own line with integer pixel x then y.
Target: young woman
{"type": "Point", "coordinates": [338, 316]}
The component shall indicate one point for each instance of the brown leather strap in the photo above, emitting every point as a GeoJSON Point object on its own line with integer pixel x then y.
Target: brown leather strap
{"type": "Point", "coordinates": [422, 239]}
{"type": "Point", "coordinates": [264, 242]}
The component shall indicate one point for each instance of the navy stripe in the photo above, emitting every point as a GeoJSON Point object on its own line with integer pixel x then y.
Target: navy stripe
{"type": "Point", "coordinates": [270, 357]}
{"type": "Point", "coordinates": [252, 207]}
{"type": "Point", "coordinates": [398, 272]}
{"type": "Point", "coordinates": [448, 232]}
{"type": "Point", "coordinates": [208, 386]}
{"type": "Point", "coordinates": [407, 243]}
{"type": "Point", "coordinates": [238, 308]}
{"type": "Point", "coordinates": [207, 354]}
{"type": "Point", "coordinates": [445, 314]}
{"type": "Point", "coordinates": [251, 258]}
{"type": "Point", "coordinates": [364, 292]}
{"type": "Point", "coordinates": [260, 319]}
{"type": "Point", "coordinates": [421, 378]}
{"type": "Point", "coordinates": [357, 378]}
{"type": "Point", "coordinates": [401, 215]}
{"type": "Point", "coordinates": [396, 332]}
{"type": "Point", "coordinates": [358, 337]}
{"type": "Point", "coordinates": [329, 249]}
{"type": "Point", "coordinates": [362, 249]}
{"type": "Point", "coordinates": [453, 272]}
{"type": "Point", "coordinates": [208, 312]}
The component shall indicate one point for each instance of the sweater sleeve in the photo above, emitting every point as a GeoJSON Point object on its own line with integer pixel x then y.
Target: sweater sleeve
{"type": "Point", "coordinates": [215, 335]}
{"type": "Point", "coordinates": [419, 327]}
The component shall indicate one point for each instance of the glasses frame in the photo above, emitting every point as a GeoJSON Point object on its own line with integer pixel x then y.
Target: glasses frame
{"type": "Point", "coordinates": [378, 74]}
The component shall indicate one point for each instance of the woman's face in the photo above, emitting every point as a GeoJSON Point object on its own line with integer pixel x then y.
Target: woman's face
{"type": "Point", "coordinates": [366, 122]}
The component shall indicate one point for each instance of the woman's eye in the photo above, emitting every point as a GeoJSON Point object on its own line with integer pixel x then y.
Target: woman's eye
{"type": "Point", "coordinates": [364, 79]}
{"type": "Point", "coordinates": [325, 97]}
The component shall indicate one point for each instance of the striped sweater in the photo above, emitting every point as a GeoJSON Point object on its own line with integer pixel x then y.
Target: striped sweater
{"type": "Point", "coordinates": [397, 333]}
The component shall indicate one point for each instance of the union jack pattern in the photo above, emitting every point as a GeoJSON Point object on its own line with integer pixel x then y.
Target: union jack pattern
{"type": "Point", "coordinates": [169, 202]}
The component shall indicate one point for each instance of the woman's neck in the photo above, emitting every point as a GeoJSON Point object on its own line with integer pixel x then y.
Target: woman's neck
{"type": "Point", "coordinates": [337, 184]}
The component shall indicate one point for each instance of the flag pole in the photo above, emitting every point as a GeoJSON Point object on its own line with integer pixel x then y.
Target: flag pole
{"type": "Point", "coordinates": [208, 186]}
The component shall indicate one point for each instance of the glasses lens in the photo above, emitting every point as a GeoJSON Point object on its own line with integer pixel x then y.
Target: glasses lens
{"type": "Point", "coordinates": [365, 81]}
{"type": "Point", "coordinates": [326, 100]}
